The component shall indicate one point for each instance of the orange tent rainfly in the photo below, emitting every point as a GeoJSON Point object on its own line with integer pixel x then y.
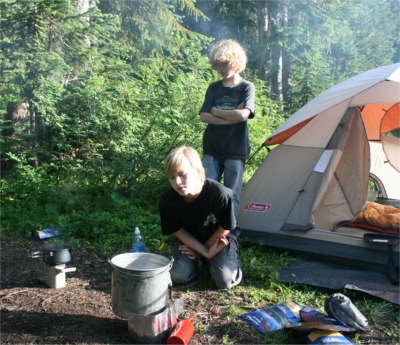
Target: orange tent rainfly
{"type": "Point", "coordinates": [320, 175]}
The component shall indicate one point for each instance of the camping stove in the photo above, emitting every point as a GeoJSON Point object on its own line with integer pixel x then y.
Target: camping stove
{"type": "Point", "coordinates": [55, 275]}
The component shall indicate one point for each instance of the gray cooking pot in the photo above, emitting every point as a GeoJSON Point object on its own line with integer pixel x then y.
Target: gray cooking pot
{"type": "Point", "coordinates": [54, 254]}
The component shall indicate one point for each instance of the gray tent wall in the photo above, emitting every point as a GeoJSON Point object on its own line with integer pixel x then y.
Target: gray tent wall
{"type": "Point", "coordinates": [299, 193]}
{"type": "Point", "coordinates": [347, 189]}
{"type": "Point", "coordinates": [332, 196]}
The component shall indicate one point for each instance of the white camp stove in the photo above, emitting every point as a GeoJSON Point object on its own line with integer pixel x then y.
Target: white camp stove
{"type": "Point", "coordinates": [55, 275]}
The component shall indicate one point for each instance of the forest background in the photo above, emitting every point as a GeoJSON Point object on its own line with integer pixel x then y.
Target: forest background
{"type": "Point", "coordinates": [95, 93]}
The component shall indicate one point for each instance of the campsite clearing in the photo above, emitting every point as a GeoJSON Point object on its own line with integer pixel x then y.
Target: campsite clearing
{"type": "Point", "coordinates": [81, 312]}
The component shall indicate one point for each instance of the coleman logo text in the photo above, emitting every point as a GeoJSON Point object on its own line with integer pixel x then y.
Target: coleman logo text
{"type": "Point", "coordinates": [252, 206]}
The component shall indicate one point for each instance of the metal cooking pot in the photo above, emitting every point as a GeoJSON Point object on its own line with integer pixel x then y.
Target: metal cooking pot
{"type": "Point", "coordinates": [54, 254]}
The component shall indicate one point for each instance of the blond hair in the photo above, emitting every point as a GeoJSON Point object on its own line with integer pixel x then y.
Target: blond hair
{"type": "Point", "coordinates": [175, 159]}
{"type": "Point", "coordinates": [228, 51]}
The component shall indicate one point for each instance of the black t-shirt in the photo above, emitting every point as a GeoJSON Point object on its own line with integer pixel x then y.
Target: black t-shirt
{"type": "Point", "coordinates": [200, 217]}
{"type": "Point", "coordinates": [228, 141]}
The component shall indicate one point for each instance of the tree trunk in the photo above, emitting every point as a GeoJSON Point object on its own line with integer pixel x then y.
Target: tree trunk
{"type": "Point", "coordinates": [274, 26]}
{"type": "Point", "coordinates": [19, 119]}
{"type": "Point", "coordinates": [263, 57]}
{"type": "Point", "coordinates": [286, 66]}
{"type": "Point", "coordinates": [18, 123]}
{"type": "Point", "coordinates": [83, 6]}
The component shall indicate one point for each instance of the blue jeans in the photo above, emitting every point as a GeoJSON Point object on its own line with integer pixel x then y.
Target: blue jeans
{"type": "Point", "coordinates": [225, 267]}
{"type": "Point", "coordinates": [232, 170]}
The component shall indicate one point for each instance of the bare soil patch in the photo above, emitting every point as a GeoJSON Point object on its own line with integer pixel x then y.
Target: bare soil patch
{"type": "Point", "coordinates": [81, 313]}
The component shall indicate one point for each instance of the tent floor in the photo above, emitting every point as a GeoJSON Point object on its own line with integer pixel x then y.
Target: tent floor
{"type": "Point", "coordinates": [337, 249]}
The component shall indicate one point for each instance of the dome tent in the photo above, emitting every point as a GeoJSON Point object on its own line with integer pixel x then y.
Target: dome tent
{"type": "Point", "coordinates": [318, 175]}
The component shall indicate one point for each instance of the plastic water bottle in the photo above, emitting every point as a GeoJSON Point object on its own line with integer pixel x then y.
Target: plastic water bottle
{"type": "Point", "coordinates": [46, 233]}
{"type": "Point", "coordinates": [138, 245]}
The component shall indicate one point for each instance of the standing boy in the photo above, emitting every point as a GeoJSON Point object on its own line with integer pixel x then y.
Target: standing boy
{"type": "Point", "coordinates": [227, 106]}
{"type": "Point", "coordinates": [199, 212]}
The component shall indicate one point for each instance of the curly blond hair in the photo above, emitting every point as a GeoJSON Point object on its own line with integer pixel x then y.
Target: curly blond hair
{"type": "Point", "coordinates": [228, 52]}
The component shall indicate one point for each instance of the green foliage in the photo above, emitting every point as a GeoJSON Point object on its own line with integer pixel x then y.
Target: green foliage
{"type": "Point", "coordinates": [152, 28]}
{"type": "Point", "coordinates": [111, 103]}
{"type": "Point", "coordinates": [115, 87]}
{"type": "Point", "coordinates": [87, 216]}
{"type": "Point", "coordinates": [268, 117]}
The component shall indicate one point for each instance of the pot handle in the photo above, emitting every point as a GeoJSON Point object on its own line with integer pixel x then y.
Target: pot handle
{"type": "Point", "coordinates": [67, 270]}
{"type": "Point", "coordinates": [37, 255]}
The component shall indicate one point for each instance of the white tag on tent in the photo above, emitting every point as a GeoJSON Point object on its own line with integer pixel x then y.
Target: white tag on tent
{"type": "Point", "coordinates": [323, 161]}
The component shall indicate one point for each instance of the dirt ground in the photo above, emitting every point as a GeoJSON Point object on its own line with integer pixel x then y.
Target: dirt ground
{"type": "Point", "coordinates": [81, 312]}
